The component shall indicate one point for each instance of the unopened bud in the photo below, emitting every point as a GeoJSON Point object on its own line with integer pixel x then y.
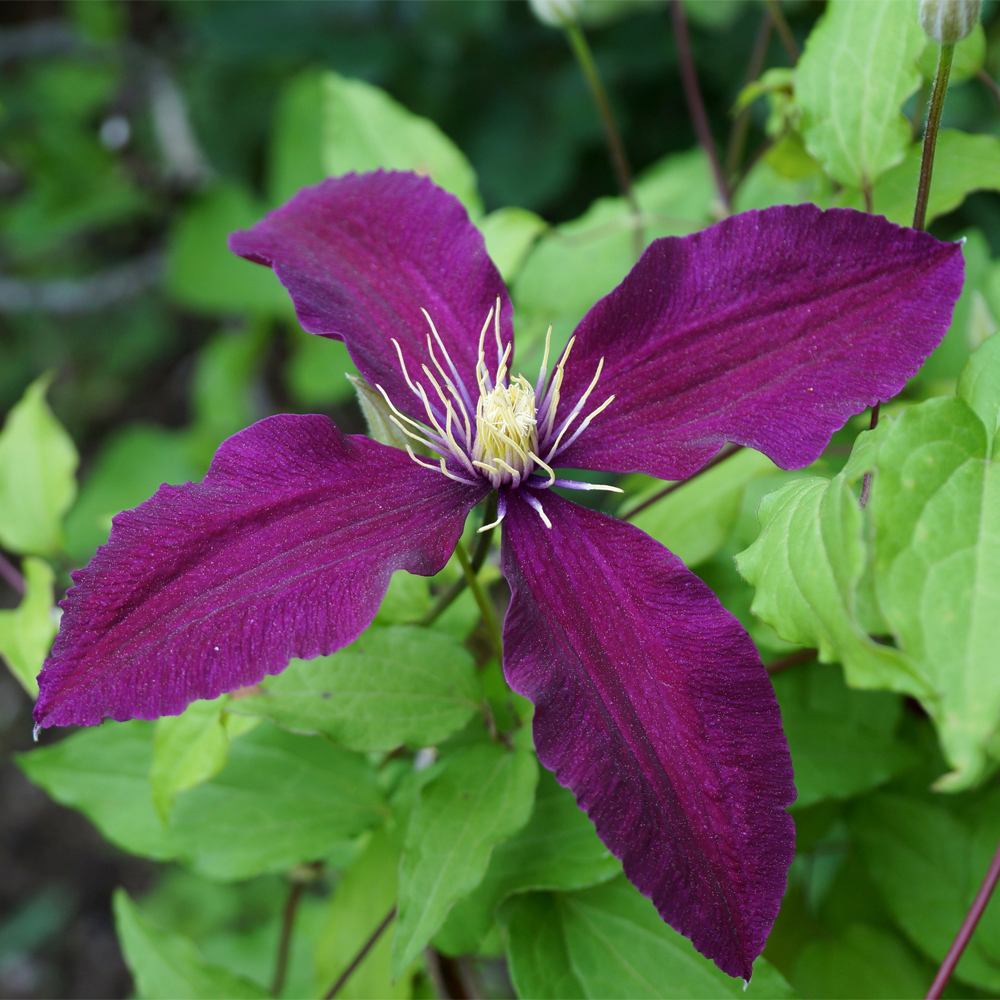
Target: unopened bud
{"type": "Point", "coordinates": [378, 414]}
{"type": "Point", "coordinates": [556, 13]}
{"type": "Point", "coordinates": [949, 21]}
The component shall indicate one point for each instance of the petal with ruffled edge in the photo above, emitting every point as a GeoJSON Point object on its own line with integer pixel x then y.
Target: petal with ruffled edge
{"type": "Point", "coordinates": [284, 549]}
{"type": "Point", "coordinates": [769, 329]}
{"type": "Point", "coordinates": [362, 254]}
{"type": "Point", "coordinates": [651, 704]}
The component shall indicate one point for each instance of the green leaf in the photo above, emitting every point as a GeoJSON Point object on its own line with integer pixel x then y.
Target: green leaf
{"type": "Point", "coordinates": [316, 373]}
{"type": "Point", "coordinates": [842, 741]}
{"type": "Point", "coordinates": [806, 565]}
{"type": "Point", "coordinates": [936, 510]}
{"type": "Point", "coordinates": [406, 600]}
{"type": "Point", "coordinates": [979, 386]}
{"type": "Point", "coordinates": [695, 520]}
{"type": "Point", "coordinates": [281, 800]}
{"type": "Point", "coordinates": [204, 274]}
{"type": "Point", "coordinates": [130, 467]}
{"type": "Point", "coordinates": [577, 263]}
{"type": "Point", "coordinates": [510, 233]}
{"type": "Point", "coordinates": [862, 961]}
{"type": "Point", "coordinates": [26, 632]}
{"type": "Point", "coordinates": [359, 904]}
{"type": "Point", "coordinates": [188, 749]}
{"type": "Point", "coordinates": [558, 849]}
{"type": "Point", "coordinates": [37, 464]}
{"type": "Point", "coordinates": [610, 942]}
{"type": "Point", "coordinates": [963, 163]}
{"type": "Point", "coordinates": [858, 67]}
{"type": "Point", "coordinates": [104, 772]}
{"type": "Point", "coordinates": [928, 863]}
{"type": "Point", "coordinates": [168, 966]}
{"type": "Point", "coordinates": [966, 62]}
{"type": "Point", "coordinates": [401, 684]}
{"type": "Point", "coordinates": [483, 795]}
{"type": "Point", "coordinates": [329, 125]}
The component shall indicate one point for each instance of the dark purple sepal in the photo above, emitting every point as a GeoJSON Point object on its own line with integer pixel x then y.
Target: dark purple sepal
{"type": "Point", "coordinates": [651, 704]}
{"type": "Point", "coordinates": [361, 256]}
{"type": "Point", "coordinates": [769, 329]}
{"type": "Point", "coordinates": [284, 550]}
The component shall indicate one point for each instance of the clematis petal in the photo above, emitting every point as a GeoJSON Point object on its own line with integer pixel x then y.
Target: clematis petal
{"type": "Point", "coordinates": [361, 256]}
{"type": "Point", "coordinates": [651, 704]}
{"type": "Point", "coordinates": [769, 329]}
{"type": "Point", "coordinates": [284, 549]}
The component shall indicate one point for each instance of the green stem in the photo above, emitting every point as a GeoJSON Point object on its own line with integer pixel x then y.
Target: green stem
{"type": "Point", "coordinates": [616, 149]}
{"type": "Point", "coordinates": [931, 134]}
{"type": "Point", "coordinates": [482, 599]}
{"type": "Point", "coordinates": [784, 31]}
{"type": "Point", "coordinates": [483, 540]}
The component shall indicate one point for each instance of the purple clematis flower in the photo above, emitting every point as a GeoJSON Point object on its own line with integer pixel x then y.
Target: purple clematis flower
{"type": "Point", "coordinates": [769, 330]}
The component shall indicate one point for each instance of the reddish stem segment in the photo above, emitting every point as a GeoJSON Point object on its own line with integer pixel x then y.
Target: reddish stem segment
{"type": "Point", "coordinates": [966, 930]}
{"type": "Point", "coordinates": [360, 957]}
{"type": "Point", "coordinates": [12, 576]}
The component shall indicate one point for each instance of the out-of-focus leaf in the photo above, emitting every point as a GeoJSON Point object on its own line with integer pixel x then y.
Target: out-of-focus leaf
{"type": "Point", "coordinates": [696, 519]}
{"type": "Point", "coordinates": [966, 62]}
{"type": "Point", "coordinates": [26, 632]}
{"type": "Point", "coordinates": [168, 966]}
{"type": "Point", "coordinates": [860, 961]}
{"type": "Point", "coordinates": [558, 849]}
{"type": "Point", "coordinates": [979, 386]}
{"type": "Point", "coordinates": [482, 796]}
{"type": "Point", "coordinates": [843, 742]}
{"type": "Point", "coordinates": [281, 800]}
{"type": "Point", "coordinates": [510, 234]}
{"type": "Point", "coordinates": [360, 902]}
{"type": "Point", "coordinates": [858, 67]}
{"type": "Point", "coordinates": [203, 274]}
{"type": "Point", "coordinates": [130, 467]}
{"type": "Point", "coordinates": [316, 373]}
{"type": "Point", "coordinates": [329, 125]}
{"type": "Point", "coordinates": [401, 684]}
{"type": "Point", "coordinates": [928, 863]}
{"type": "Point", "coordinates": [610, 942]}
{"type": "Point", "coordinates": [37, 485]}
{"type": "Point", "coordinates": [104, 772]}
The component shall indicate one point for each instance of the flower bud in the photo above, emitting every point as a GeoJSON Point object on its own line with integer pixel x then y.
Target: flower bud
{"type": "Point", "coordinates": [949, 21]}
{"type": "Point", "coordinates": [376, 410]}
{"type": "Point", "coordinates": [555, 13]}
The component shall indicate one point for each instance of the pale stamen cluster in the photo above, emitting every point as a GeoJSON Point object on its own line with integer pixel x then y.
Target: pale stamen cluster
{"type": "Point", "coordinates": [511, 431]}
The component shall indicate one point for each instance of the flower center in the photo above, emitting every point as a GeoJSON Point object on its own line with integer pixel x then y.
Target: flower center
{"type": "Point", "coordinates": [506, 432]}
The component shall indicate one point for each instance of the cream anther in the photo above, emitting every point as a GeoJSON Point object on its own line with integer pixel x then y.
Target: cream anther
{"type": "Point", "coordinates": [506, 433]}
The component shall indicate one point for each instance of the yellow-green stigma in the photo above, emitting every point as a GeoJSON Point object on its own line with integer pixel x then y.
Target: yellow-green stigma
{"type": "Point", "coordinates": [506, 433]}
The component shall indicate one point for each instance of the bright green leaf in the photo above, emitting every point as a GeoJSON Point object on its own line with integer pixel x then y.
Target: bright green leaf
{"type": "Point", "coordinates": [37, 464]}
{"type": "Point", "coordinates": [482, 796]}
{"type": "Point", "coordinates": [609, 942]}
{"type": "Point", "coordinates": [316, 373]}
{"type": "Point", "coordinates": [188, 749]}
{"type": "Point", "coordinates": [104, 772]}
{"type": "Point", "coordinates": [842, 741]}
{"type": "Point", "coordinates": [329, 125]}
{"type": "Point", "coordinates": [695, 520]}
{"type": "Point", "coordinates": [26, 632]}
{"type": "Point", "coordinates": [406, 600]}
{"type": "Point", "coordinates": [168, 966]}
{"type": "Point", "coordinates": [858, 68]}
{"type": "Point", "coordinates": [510, 234]}
{"type": "Point", "coordinates": [401, 684]}
{"type": "Point", "coordinates": [936, 509]}
{"type": "Point", "coordinates": [979, 386]}
{"type": "Point", "coordinates": [359, 904]}
{"type": "Point", "coordinates": [281, 800]}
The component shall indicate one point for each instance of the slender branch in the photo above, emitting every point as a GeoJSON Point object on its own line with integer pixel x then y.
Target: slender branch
{"type": "Point", "coordinates": [479, 554]}
{"type": "Point", "coordinates": [360, 956]}
{"type": "Point", "coordinates": [991, 85]}
{"type": "Point", "coordinates": [616, 148]}
{"type": "Point", "coordinates": [12, 576]}
{"type": "Point", "coordinates": [741, 125]}
{"type": "Point", "coordinates": [696, 106]}
{"type": "Point", "coordinates": [783, 30]}
{"type": "Point", "coordinates": [482, 599]}
{"type": "Point", "coordinates": [792, 660]}
{"type": "Point", "coordinates": [966, 930]}
{"type": "Point", "coordinates": [931, 134]}
{"type": "Point", "coordinates": [285, 941]}
{"type": "Point", "coordinates": [730, 449]}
